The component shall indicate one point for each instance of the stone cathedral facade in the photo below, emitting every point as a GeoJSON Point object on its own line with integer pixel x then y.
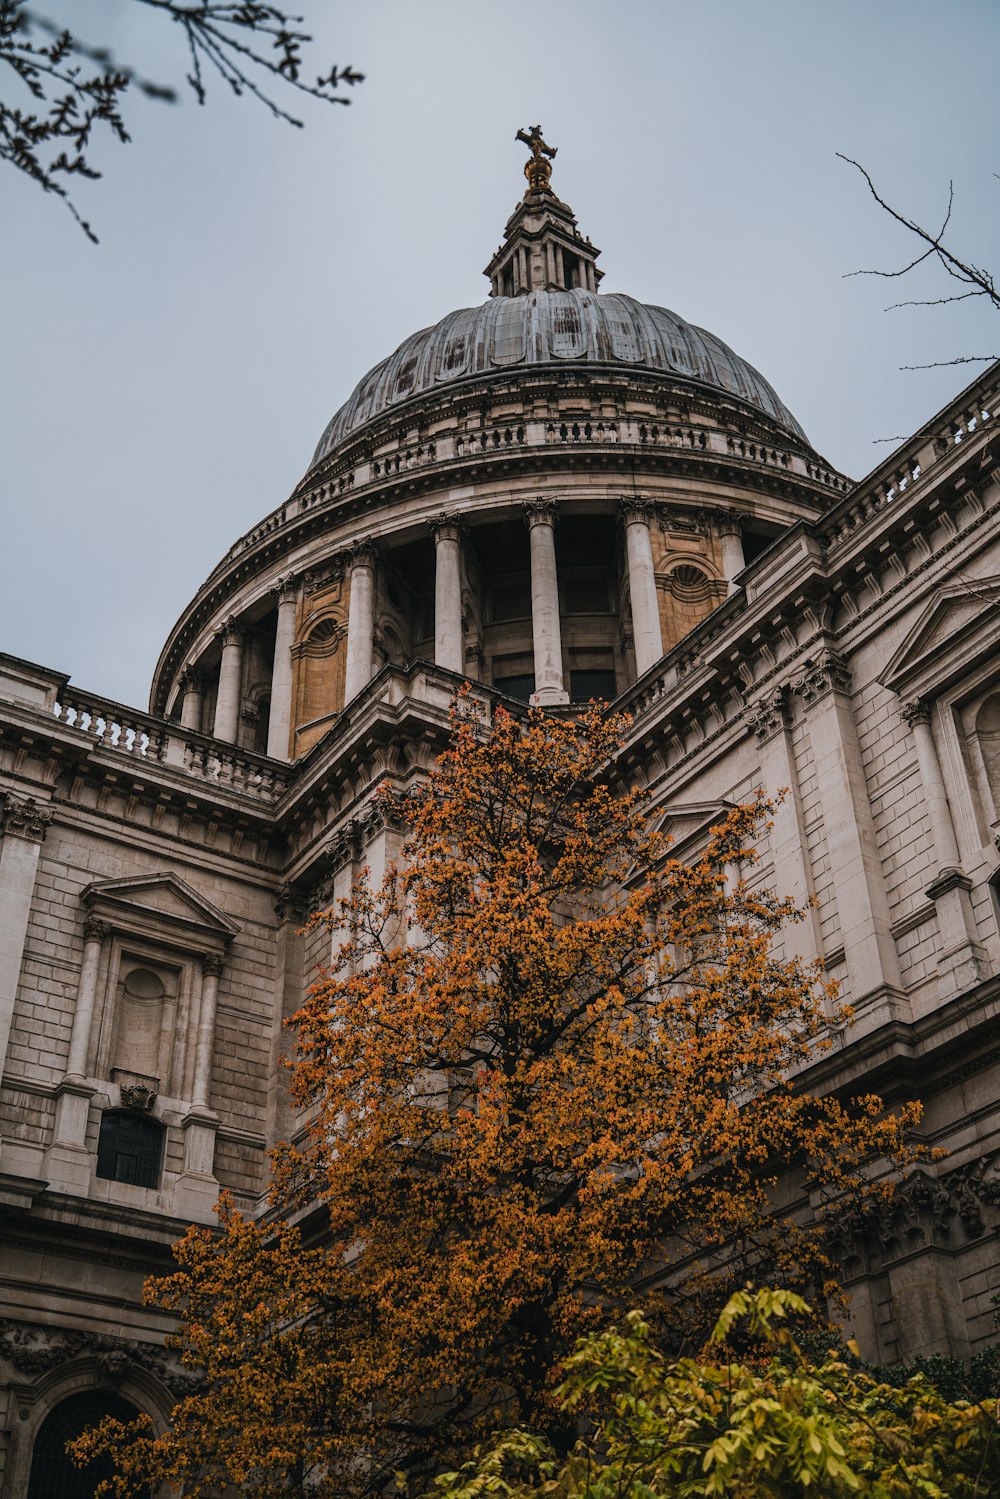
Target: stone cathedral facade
{"type": "Point", "coordinates": [559, 494]}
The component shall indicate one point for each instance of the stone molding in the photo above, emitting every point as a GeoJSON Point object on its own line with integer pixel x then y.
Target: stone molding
{"type": "Point", "coordinates": [947, 879]}
{"type": "Point", "coordinates": [540, 512]}
{"type": "Point", "coordinates": [730, 522]}
{"type": "Point", "coordinates": [636, 511]}
{"type": "Point", "coordinates": [95, 930]}
{"type": "Point", "coordinates": [917, 711]}
{"type": "Point", "coordinates": [924, 1212]}
{"type": "Point", "coordinates": [446, 526]}
{"type": "Point", "coordinates": [285, 590]}
{"type": "Point", "coordinates": [231, 632]}
{"type": "Point", "coordinates": [827, 672]}
{"type": "Point", "coordinates": [363, 553]}
{"type": "Point", "coordinates": [25, 818]}
{"type": "Point", "coordinates": [33, 1349]}
{"type": "Point", "coordinates": [769, 715]}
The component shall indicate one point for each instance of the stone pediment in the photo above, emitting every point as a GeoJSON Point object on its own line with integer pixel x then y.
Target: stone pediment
{"type": "Point", "coordinates": [160, 905]}
{"type": "Point", "coordinates": [688, 825]}
{"type": "Point", "coordinates": [961, 624]}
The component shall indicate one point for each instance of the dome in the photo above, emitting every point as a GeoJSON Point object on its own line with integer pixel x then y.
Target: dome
{"type": "Point", "coordinates": [553, 328]}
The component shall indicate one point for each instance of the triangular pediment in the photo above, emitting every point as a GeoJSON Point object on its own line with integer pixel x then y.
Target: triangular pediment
{"type": "Point", "coordinates": [688, 824]}
{"type": "Point", "coordinates": [959, 623]}
{"type": "Point", "coordinates": [159, 900]}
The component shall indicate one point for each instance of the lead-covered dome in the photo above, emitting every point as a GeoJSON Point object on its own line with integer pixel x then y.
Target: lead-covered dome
{"type": "Point", "coordinates": [555, 328]}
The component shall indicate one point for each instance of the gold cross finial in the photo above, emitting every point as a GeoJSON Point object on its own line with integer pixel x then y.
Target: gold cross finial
{"type": "Point", "coordinates": [537, 170]}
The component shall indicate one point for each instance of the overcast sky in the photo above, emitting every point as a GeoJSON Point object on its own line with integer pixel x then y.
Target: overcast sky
{"type": "Point", "coordinates": [165, 389]}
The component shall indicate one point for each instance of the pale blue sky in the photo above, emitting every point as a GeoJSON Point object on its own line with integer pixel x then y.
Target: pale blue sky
{"type": "Point", "coordinates": [165, 390]}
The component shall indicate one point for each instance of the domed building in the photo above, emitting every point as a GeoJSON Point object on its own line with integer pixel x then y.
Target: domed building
{"type": "Point", "coordinates": [559, 495]}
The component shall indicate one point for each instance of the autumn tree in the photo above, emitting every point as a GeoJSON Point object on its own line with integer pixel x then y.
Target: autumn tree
{"type": "Point", "coordinates": [550, 1069]}
{"type": "Point", "coordinates": [777, 1423]}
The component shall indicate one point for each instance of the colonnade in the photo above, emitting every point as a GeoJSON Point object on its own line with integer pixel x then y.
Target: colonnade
{"type": "Point", "coordinates": [541, 516]}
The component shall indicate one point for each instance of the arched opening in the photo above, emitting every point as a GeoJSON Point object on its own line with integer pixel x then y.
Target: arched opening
{"type": "Point", "coordinates": [53, 1475]}
{"type": "Point", "coordinates": [988, 734]}
{"type": "Point", "coordinates": [130, 1149]}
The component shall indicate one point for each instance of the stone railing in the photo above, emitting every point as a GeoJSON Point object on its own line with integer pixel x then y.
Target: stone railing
{"type": "Point", "coordinates": [908, 467]}
{"type": "Point", "coordinates": [149, 741]}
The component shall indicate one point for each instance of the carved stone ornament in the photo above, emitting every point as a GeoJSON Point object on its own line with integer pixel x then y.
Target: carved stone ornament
{"type": "Point", "coordinates": [730, 522]}
{"type": "Point", "coordinates": [446, 527]}
{"type": "Point", "coordinates": [95, 930]}
{"type": "Point", "coordinates": [540, 512]}
{"type": "Point", "coordinates": [193, 679]}
{"type": "Point", "coordinates": [636, 511]}
{"type": "Point", "coordinates": [923, 1212]}
{"type": "Point", "coordinates": [137, 1096]}
{"type": "Point", "coordinates": [25, 818]}
{"type": "Point", "coordinates": [212, 965]}
{"type": "Point", "coordinates": [918, 711]}
{"type": "Point", "coordinates": [286, 589]}
{"type": "Point", "coordinates": [231, 633]}
{"type": "Point", "coordinates": [769, 715]}
{"type": "Point", "coordinates": [33, 1350]}
{"type": "Point", "coordinates": [363, 553]}
{"type": "Point", "coordinates": [827, 672]}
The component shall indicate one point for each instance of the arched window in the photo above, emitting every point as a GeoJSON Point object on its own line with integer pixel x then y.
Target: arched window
{"type": "Point", "coordinates": [130, 1149]}
{"type": "Point", "coordinates": [53, 1475]}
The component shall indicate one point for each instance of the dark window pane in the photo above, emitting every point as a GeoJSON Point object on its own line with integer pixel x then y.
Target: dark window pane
{"type": "Point", "coordinates": [520, 687]}
{"type": "Point", "coordinates": [583, 685]}
{"type": "Point", "coordinates": [53, 1476]}
{"type": "Point", "coordinates": [129, 1149]}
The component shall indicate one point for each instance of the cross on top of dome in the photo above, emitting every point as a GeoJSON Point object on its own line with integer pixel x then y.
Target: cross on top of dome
{"type": "Point", "coordinates": [543, 250]}
{"type": "Point", "coordinates": [537, 170]}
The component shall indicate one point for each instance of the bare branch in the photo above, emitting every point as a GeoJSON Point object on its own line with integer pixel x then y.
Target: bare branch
{"type": "Point", "coordinates": [970, 275]}
{"type": "Point", "coordinates": [939, 364]}
{"type": "Point", "coordinates": [242, 41]}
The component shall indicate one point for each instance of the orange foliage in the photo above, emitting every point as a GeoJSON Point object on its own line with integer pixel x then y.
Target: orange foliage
{"type": "Point", "coordinates": [550, 1073]}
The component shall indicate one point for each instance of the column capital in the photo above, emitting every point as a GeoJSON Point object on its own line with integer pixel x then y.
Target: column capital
{"type": "Point", "coordinates": [540, 512]}
{"type": "Point", "coordinates": [285, 590]}
{"type": "Point", "coordinates": [636, 511]}
{"type": "Point", "coordinates": [826, 672]}
{"type": "Point", "coordinates": [231, 632]}
{"type": "Point", "coordinates": [769, 715]}
{"type": "Point", "coordinates": [363, 553]}
{"type": "Point", "coordinates": [916, 711]}
{"type": "Point", "coordinates": [25, 818]}
{"type": "Point", "coordinates": [95, 930]}
{"type": "Point", "coordinates": [212, 965]}
{"type": "Point", "coordinates": [730, 522]}
{"type": "Point", "coordinates": [192, 679]}
{"type": "Point", "coordinates": [446, 526]}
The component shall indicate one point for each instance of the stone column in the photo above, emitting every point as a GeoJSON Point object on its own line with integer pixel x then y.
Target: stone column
{"type": "Point", "coordinates": [24, 823]}
{"type": "Point", "coordinates": [730, 529]}
{"type": "Point", "coordinates": [211, 968]}
{"type": "Point", "coordinates": [849, 828]}
{"type": "Point", "coordinates": [75, 1093]}
{"type": "Point", "coordinates": [193, 688]}
{"type": "Point", "coordinates": [197, 1188]}
{"type": "Point", "coordinates": [449, 641]}
{"type": "Point", "coordinates": [770, 720]}
{"type": "Point", "coordinates": [545, 632]}
{"type": "Point", "coordinates": [227, 704]}
{"type": "Point", "coordinates": [647, 638]}
{"type": "Point", "coordinates": [280, 722]}
{"type": "Point", "coordinates": [360, 621]}
{"type": "Point", "coordinates": [961, 959]}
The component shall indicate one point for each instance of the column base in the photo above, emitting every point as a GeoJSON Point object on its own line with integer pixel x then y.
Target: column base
{"type": "Point", "coordinates": [549, 697]}
{"type": "Point", "coordinates": [197, 1189]}
{"type": "Point", "coordinates": [72, 1112]}
{"type": "Point", "coordinates": [962, 961]}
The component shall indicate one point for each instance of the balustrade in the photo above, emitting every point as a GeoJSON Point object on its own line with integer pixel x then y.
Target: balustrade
{"type": "Point", "coordinates": [116, 729]}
